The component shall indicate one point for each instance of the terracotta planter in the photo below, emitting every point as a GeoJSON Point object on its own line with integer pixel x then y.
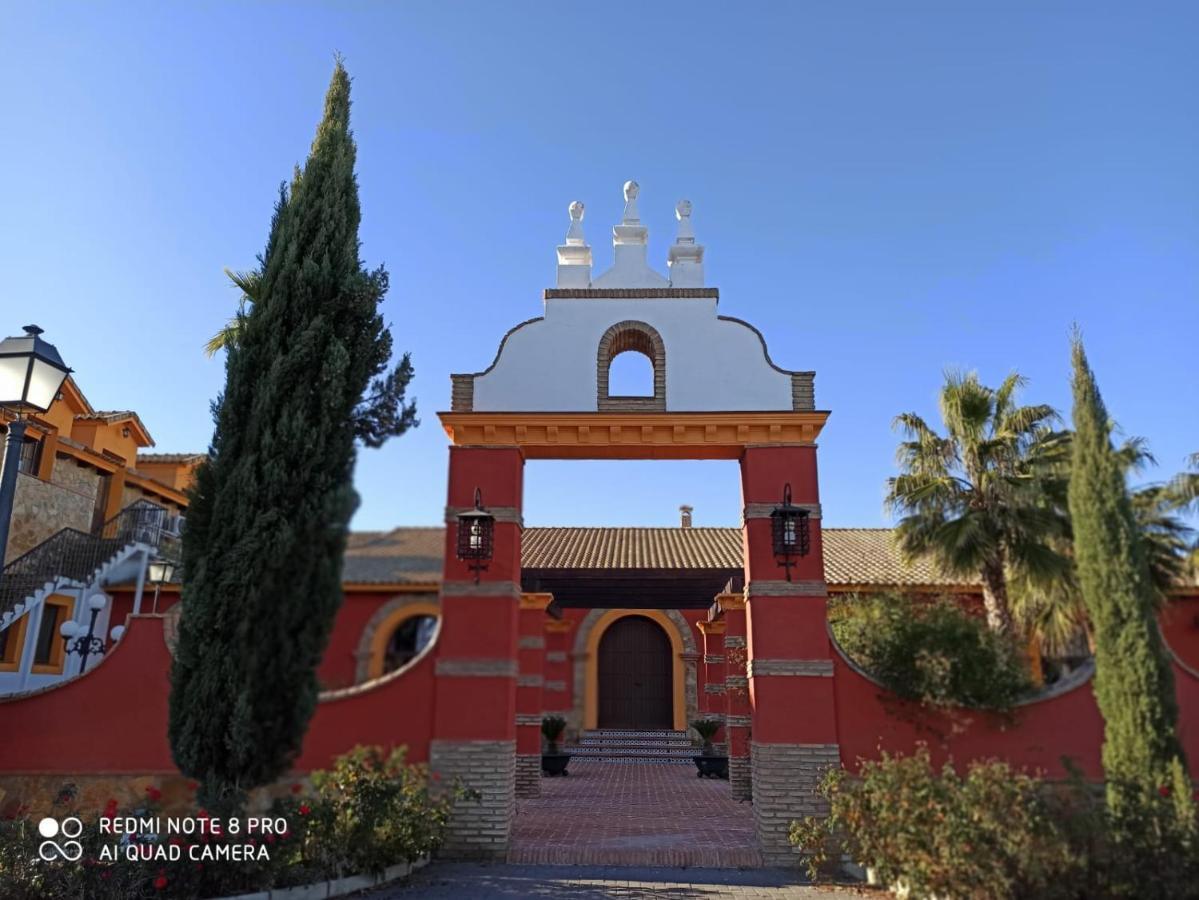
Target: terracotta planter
{"type": "Point", "coordinates": [554, 763]}
{"type": "Point", "coordinates": [711, 766]}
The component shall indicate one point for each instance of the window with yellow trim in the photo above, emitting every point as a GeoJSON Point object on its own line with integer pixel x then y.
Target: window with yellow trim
{"type": "Point", "coordinates": [48, 652]}
{"type": "Point", "coordinates": [410, 637]}
{"type": "Point", "coordinates": [12, 643]}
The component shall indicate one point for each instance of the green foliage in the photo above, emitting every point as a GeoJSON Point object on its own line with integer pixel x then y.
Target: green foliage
{"type": "Point", "coordinates": [551, 729]}
{"type": "Point", "coordinates": [931, 651]}
{"type": "Point", "coordinates": [306, 378]}
{"type": "Point", "coordinates": [1134, 685]}
{"type": "Point", "coordinates": [983, 500]}
{"type": "Point", "coordinates": [706, 729]}
{"type": "Point", "coordinates": [988, 834]}
{"type": "Point", "coordinates": [370, 811]}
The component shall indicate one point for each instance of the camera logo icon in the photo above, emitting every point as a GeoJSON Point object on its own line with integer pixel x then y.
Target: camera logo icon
{"type": "Point", "coordinates": [67, 847]}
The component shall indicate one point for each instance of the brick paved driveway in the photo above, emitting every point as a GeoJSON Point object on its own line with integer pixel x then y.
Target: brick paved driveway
{"type": "Point", "coordinates": [461, 881]}
{"type": "Point", "coordinates": [634, 814]}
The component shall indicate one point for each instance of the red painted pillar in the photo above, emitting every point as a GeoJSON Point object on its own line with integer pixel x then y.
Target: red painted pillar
{"type": "Point", "coordinates": [529, 686]}
{"type": "Point", "coordinates": [736, 694]}
{"type": "Point", "coordinates": [474, 719]}
{"type": "Point", "coordinates": [556, 694]}
{"type": "Point", "coordinates": [790, 667]}
{"type": "Point", "coordinates": [712, 701]}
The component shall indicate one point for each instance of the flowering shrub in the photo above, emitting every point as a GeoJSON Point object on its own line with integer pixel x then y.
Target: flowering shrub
{"type": "Point", "coordinates": [370, 811]}
{"type": "Point", "coordinates": [997, 833]}
{"type": "Point", "coordinates": [934, 652]}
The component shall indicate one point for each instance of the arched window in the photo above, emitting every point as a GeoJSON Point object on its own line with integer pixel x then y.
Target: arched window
{"type": "Point", "coordinates": [410, 637]}
{"type": "Point", "coordinates": [624, 380]}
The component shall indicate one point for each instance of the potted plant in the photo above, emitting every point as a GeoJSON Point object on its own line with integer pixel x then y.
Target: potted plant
{"type": "Point", "coordinates": [710, 763]}
{"type": "Point", "coordinates": [553, 760]}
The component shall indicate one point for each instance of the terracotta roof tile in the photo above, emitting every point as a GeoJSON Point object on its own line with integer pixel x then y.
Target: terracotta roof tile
{"type": "Point", "coordinates": [852, 556]}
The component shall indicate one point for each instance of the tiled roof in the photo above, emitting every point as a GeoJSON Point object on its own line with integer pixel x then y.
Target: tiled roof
{"type": "Point", "coordinates": [168, 457]}
{"type": "Point", "coordinates": [852, 556]}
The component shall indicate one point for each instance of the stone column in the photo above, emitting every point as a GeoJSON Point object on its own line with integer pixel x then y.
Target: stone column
{"type": "Point", "coordinates": [531, 647]}
{"type": "Point", "coordinates": [736, 695]}
{"type": "Point", "coordinates": [790, 667]}
{"type": "Point", "coordinates": [474, 717]}
{"type": "Point", "coordinates": [555, 697]}
{"type": "Point", "coordinates": [712, 701]}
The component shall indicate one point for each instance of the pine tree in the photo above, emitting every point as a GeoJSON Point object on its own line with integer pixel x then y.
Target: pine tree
{"type": "Point", "coordinates": [306, 379]}
{"type": "Point", "coordinates": [1134, 684]}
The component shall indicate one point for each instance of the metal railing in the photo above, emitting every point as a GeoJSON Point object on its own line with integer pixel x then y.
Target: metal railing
{"type": "Point", "coordinates": [77, 556]}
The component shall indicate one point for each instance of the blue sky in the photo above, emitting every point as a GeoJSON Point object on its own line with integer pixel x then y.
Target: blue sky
{"type": "Point", "coordinates": [885, 190]}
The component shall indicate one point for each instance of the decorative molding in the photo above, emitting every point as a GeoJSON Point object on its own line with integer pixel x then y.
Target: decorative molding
{"type": "Point", "coordinates": [818, 668]}
{"type": "Point", "coordinates": [713, 659]}
{"type": "Point", "coordinates": [632, 435]}
{"type": "Point", "coordinates": [777, 588]}
{"type": "Point", "coordinates": [727, 602]}
{"type": "Point", "coordinates": [531, 642]}
{"type": "Point", "coordinates": [632, 294]}
{"type": "Point", "coordinates": [530, 681]}
{"type": "Point", "coordinates": [555, 686]}
{"type": "Point", "coordinates": [717, 627]}
{"type": "Point", "coordinates": [509, 515]}
{"type": "Point", "coordinates": [475, 668]}
{"type": "Point", "coordinates": [736, 681]}
{"type": "Point", "coordinates": [713, 687]}
{"type": "Point", "coordinates": [559, 626]}
{"type": "Point", "coordinates": [555, 656]}
{"type": "Point", "coordinates": [764, 510]}
{"type": "Point", "coordinates": [482, 589]}
{"type": "Point", "coordinates": [528, 719]}
{"type": "Point", "coordinates": [536, 601]}
{"type": "Point", "coordinates": [732, 721]}
{"type": "Point", "coordinates": [734, 642]}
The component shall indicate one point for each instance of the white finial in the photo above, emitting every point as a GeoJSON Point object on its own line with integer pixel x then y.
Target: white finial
{"type": "Point", "coordinates": [631, 189]}
{"type": "Point", "coordinates": [574, 257]}
{"type": "Point", "coordinates": [685, 257]}
{"type": "Point", "coordinates": [682, 212]}
{"type": "Point", "coordinates": [574, 234]}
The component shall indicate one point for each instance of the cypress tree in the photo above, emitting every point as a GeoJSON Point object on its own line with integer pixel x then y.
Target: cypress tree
{"type": "Point", "coordinates": [306, 377]}
{"type": "Point", "coordinates": [1134, 685]}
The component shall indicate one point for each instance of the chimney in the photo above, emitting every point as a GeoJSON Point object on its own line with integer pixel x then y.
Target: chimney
{"type": "Point", "coordinates": [685, 515]}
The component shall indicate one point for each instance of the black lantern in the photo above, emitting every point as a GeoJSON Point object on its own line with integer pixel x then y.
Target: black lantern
{"type": "Point", "coordinates": [789, 528]}
{"type": "Point", "coordinates": [476, 536]}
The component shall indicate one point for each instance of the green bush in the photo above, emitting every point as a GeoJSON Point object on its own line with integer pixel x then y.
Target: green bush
{"type": "Point", "coordinates": [997, 833]}
{"type": "Point", "coordinates": [706, 729]}
{"type": "Point", "coordinates": [988, 834]}
{"type": "Point", "coordinates": [932, 651]}
{"type": "Point", "coordinates": [370, 811]}
{"type": "Point", "coordinates": [551, 729]}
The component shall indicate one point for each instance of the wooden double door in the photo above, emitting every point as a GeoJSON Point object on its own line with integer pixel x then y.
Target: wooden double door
{"type": "Point", "coordinates": [635, 676]}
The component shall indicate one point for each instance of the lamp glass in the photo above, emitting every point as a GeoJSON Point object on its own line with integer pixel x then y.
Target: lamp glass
{"type": "Point", "coordinates": [44, 381]}
{"type": "Point", "coordinates": [68, 629]}
{"type": "Point", "coordinates": [12, 379]}
{"type": "Point", "coordinates": [97, 602]}
{"type": "Point", "coordinates": [117, 633]}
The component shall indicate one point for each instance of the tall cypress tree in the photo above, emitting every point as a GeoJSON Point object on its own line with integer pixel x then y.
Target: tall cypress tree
{"type": "Point", "coordinates": [306, 378]}
{"type": "Point", "coordinates": [1134, 685]}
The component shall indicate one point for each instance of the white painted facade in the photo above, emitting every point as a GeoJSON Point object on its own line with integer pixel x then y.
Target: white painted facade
{"type": "Point", "coordinates": [549, 364]}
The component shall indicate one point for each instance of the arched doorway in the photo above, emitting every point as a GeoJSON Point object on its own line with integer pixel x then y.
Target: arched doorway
{"type": "Point", "coordinates": [636, 688]}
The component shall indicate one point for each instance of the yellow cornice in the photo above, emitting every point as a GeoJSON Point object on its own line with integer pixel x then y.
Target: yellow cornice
{"type": "Point", "coordinates": [559, 626]}
{"type": "Point", "coordinates": [726, 602]}
{"type": "Point", "coordinates": [361, 587]}
{"type": "Point", "coordinates": [716, 627]}
{"type": "Point", "coordinates": [536, 601]}
{"type": "Point", "coordinates": [636, 435]}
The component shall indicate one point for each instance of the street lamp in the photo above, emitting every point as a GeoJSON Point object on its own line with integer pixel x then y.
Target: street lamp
{"type": "Point", "coordinates": [31, 373]}
{"type": "Point", "coordinates": [76, 640]}
{"type": "Point", "coordinates": [476, 536]}
{"type": "Point", "coordinates": [790, 531]}
{"type": "Point", "coordinates": [161, 571]}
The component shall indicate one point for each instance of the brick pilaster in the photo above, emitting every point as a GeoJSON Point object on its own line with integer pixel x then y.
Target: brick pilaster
{"type": "Point", "coordinates": [737, 718]}
{"type": "Point", "coordinates": [555, 695]}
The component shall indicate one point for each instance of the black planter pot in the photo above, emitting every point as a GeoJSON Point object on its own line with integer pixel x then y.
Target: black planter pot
{"type": "Point", "coordinates": [712, 766]}
{"type": "Point", "coordinates": [554, 763]}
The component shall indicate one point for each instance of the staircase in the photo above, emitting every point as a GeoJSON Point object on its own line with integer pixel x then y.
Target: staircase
{"type": "Point", "coordinates": [73, 559]}
{"type": "Point", "coordinates": [622, 746]}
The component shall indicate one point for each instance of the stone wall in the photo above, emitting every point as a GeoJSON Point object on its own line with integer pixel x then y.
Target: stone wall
{"type": "Point", "coordinates": [479, 825]}
{"type": "Point", "coordinates": [785, 782]}
{"type": "Point", "coordinates": [42, 508]}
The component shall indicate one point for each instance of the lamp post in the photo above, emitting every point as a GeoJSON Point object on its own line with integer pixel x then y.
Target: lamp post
{"type": "Point", "coordinates": [161, 571]}
{"type": "Point", "coordinates": [31, 373]}
{"type": "Point", "coordinates": [76, 640]}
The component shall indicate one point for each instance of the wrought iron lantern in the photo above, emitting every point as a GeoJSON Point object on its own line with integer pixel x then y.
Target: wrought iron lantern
{"type": "Point", "coordinates": [476, 536]}
{"type": "Point", "coordinates": [31, 371]}
{"type": "Point", "coordinates": [790, 531]}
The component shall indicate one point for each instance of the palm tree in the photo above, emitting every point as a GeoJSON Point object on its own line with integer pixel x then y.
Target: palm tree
{"type": "Point", "coordinates": [1183, 496]}
{"type": "Point", "coordinates": [988, 498]}
{"type": "Point", "coordinates": [248, 283]}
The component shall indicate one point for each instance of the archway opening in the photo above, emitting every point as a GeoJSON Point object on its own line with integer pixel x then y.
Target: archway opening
{"type": "Point", "coordinates": [408, 640]}
{"type": "Point", "coordinates": [636, 689]}
{"type": "Point", "coordinates": [631, 374]}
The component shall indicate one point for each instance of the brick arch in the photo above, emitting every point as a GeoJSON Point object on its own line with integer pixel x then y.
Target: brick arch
{"type": "Point", "coordinates": [587, 638]}
{"type": "Point", "coordinates": [640, 338]}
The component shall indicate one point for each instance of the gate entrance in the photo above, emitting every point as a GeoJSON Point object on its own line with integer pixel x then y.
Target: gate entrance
{"type": "Point", "coordinates": [635, 689]}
